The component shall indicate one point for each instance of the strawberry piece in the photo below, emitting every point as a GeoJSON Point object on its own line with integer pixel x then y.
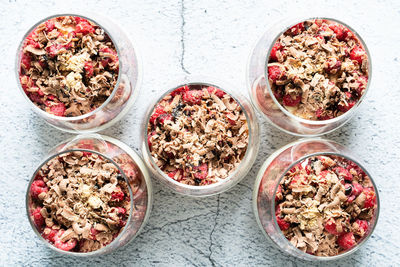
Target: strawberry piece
{"type": "Point", "coordinates": [49, 234]}
{"type": "Point", "coordinates": [216, 91]}
{"type": "Point", "coordinates": [26, 61]}
{"type": "Point", "coordinates": [297, 29]}
{"type": "Point", "coordinates": [277, 46]}
{"type": "Point", "coordinates": [58, 109]}
{"type": "Point", "coordinates": [330, 227]}
{"type": "Point", "coordinates": [38, 187]}
{"type": "Point", "coordinates": [37, 217]}
{"type": "Point", "coordinates": [340, 31]}
{"type": "Point", "coordinates": [276, 73]}
{"type": "Point", "coordinates": [117, 195]}
{"type": "Point", "coordinates": [180, 91]}
{"type": "Point", "coordinates": [342, 173]}
{"type": "Point", "coordinates": [49, 25]}
{"type": "Point", "coordinates": [84, 27]}
{"type": "Point", "coordinates": [283, 225]}
{"type": "Point", "coordinates": [158, 111]}
{"type": "Point", "coordinates": [346, 241]}
{"type": "Point", "coordinates": [357, 54]}
{"type": "Point", "coordinates": [370, 200]}
{"type": "Point", "coordinates": [89, 70]}
{"type": "Point", "coordinates": [79, 20]}
{"type": "Point", "coordinates": [192, 97]}
{"type": "Point", "coordinates": [289, 101]}
{"type": "Point", "coordinates": [362, 227]}
{"type": "Point", "coordinates": [66, 246]}
{"type": "Point", "coordinates": [201, 172]}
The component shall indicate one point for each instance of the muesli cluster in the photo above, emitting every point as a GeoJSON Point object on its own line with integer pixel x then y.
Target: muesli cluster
{"type": "Point", "coordinates": [69, 66]}
{"type": "Point", "coordinates": [79, 201]}
{"type": "Point", "coordinates": [325, 205]}
{"type": "Point", "coordinates": [198, 134]}
{"type": "Point", "coordinates": [318, 69]}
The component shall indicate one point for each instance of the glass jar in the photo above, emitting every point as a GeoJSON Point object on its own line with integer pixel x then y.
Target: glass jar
{"type": "Point", "coordinates": [263, 98]}
{"type": "Point", "coordinates": [123, 95]}
{"type": "Point", "coordinates": [269, 177]}
{"type": "Point", "coordinates": [131, 168]}
{"type": "Point", "coordinates": [244, 165]}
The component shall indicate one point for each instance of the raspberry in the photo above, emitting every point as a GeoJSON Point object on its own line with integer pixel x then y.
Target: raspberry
{"type": "Point", "coordinates": [180, 91]}
{"type": "Point", "coordinates": [283, 225]}
{"type": "Point", "coordinates": [79, 20]}
{"type": "Point", "coordinates": [109, 56]}
{"type": "Point", "coordinates": [30, 40]}
{"type": "Point", "coordinates": [216, 91]}
{"type": "Point", "coordinates": [49, 25]}
{"type": "Point", "coordinates": [37, 217]}
{"type": "Point", "coordinates": [58, 109]}
{"type": "Point", "coordinates": [330, 227]}
{"type": "Point", "coordinates": [84, 27]}
{"type": "Point", "coordinates": [362, 84]}
{"type": "Point", "coordinates": [67, 246]}
{"type": "Point", "coordinates": [357, 189]}
{"type": "Point", "coordinates": [173, 174]}
{"type": "Point", "coordinates": [192, 97]}
{"type": "Point", "coordinates": [201, 172]}
{"type": "Point", "coordinates": [370, 200]}
{"type": "Point", "coordinates": [26, 82]}
{"type": "Point", "coordinates": [321, 116]}
{"type": "Point", "coordinates": [275, 73]}
{"type": "Point", "coordinates": [357, 54]}
{"type": "Point", "coordinates": [344, 107]}
{"type": "Point", "coordinates": [158, 111]}
{"type": "Point", "coordinates": [121, 211]}
{"type": "Point", "coordinates": [340, 31]}
{"type": "Point", "coordinates": [53, 50]}
{"type": "Point", "coordinates": [297, 29]}
{"type": "Point", "coordinates": [333, 65]}
{"type": "Point", "coordinates": [49, 234]}
{"type": "Point", "coordinates": [89, 70]}
{"type": "Point", "coordinates": [26, 61]}
{"type": "Point", "coordinates": [289, 101]}
{"type": "Point", "coordinates": [117, 195]}
{"type": "Point", "coordinates": [346, 241]}
{"type": "Point", "coordinates": [362, 227]}
{"type": "Point", "coordinates": [38, 187]}
{"type": "Point", "coordinates": [342, 173]}
{"type": "Point", "coordinates": [165, 117]}
{"type": "Point", "coordinates": [277, 46]}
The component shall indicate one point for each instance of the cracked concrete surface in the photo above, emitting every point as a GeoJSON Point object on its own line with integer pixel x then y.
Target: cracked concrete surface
{"type": "Point", "coordinates": [211, 38]}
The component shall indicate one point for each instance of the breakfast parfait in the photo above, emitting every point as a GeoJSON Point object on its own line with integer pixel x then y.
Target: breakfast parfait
{"type": "Point", "coordinates": [68, 66]}
{"type": "Point", "coordinates": [197, 134]}
{"type": "Point", "coordinates": [325, 205]}
{"type": "Point", "coordinates": [318, 69]}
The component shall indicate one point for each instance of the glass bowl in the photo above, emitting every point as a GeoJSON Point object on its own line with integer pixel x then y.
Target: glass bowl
{"type": "Point", "coordinates": [263, 98]}
{"type": "Point", "coordinates": [132, 169]}
{"type": "Point", "coordinates": [269, 177]}
{"type": "Point", "coordinates": [238, 174]}
{"type": "Point", "coordinates": [123, 95]}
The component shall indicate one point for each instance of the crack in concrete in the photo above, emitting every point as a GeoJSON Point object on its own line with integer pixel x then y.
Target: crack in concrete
{"type": "Point", "coordinates": [182, 59]}
{"type": "Point", "coordinates": [213, 262]}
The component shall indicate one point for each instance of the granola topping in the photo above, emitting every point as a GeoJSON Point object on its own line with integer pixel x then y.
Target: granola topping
{"type": "Point", "coordinates": [198, 134]}
{"type": "Point", "coordinates": [318, 69]}
{"type": "Point", "coordinates": [69, 66]}
{"type": "Point", "coordinates": [80, 200]}
{"type": "Point", "coordinates": [325, 205]}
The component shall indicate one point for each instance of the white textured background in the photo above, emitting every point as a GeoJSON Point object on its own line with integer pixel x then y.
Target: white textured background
{"type": "Point", "coordinates": [209, 38]}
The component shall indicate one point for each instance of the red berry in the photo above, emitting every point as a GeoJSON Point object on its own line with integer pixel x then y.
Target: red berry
{"type": "Point", "coordinates": [277, 46]}
{"type": "Point", "coordinates": [53, 50]}
{"type": "Point", "coordinates": [174, 175]}
{"type": "Point", "coordinates": [84, 27]}
{"type": "Point", "coordinates": [201, 172]}
{"type": "Point", "coordinates": [216, 91]}
{"type": "Point", "coordinates": [357, 54]}
{"type": "Point", "coordinates": [79, 20]}
{"type": "Point", "coordinates": [346, 107]}
{"type": "Point", "coordinates": [276, 73]}
{"type": "Point", "coordinates": [192, 97]}
{"type": "Point", "coordinates": [296, 181]}
{"type": "Point", "coordinates": [321, 177]}
{"type": "Point", "coordinates": [93, 233]}
{"type": "Point", "coordinates": [357, 189]}
{"type": "Point", "coordinates": [278, 195]}
{"type": "Point", "coordinates": [283, 225]}
{"type": "Point", "coordinates": [67, 246]}
{"type": "Point", "coordinates": [342, 173]}
{"type": "Point", "coordinates": [332, 65]}
{"type": "Point", "coordinates": [50, 235]}
{"type": "Point", "coordinates": [165, 117]}
{"type": "Point", "coordinates": [26, 61]}
{"type": "Point", "coordinates": [58, 109]}
{"type": "Point", "coordinates": [30, 40]}
{"type": "Point", "coordinates": [180, 91]}
{"type": "Point", "coordinates": [320, 116]}
{"type": "Point", "coordinates": [289, 101]}
{"type": "Point", "coordinates": [340, 31]}
{"type": "Point", "coordinates": [158, 111]}
{"type": "Point", "coordinates": [362, 227]}
{"type": "Point", "coordinates": [38, 187]}
{"type": "Point", "coordinates": [362, 84]}
{"type": "Point", "coordinates": [35, 98]}
{"type": "Point", "coordinates": [330, 227]}
{"type": "Point", "coordinates": [370, 200]}
{"type": "Point", "coordinates": [49, 25]}
{"type": "Point", "coordinates": [89, 70]}
{"type": "Point", "coordinates": [297, 29]}
{"type": "Point", "coordinates": [346, 241]}
{"type": "Point", "coordinates": [117, 195]}
{"type": "Point", "coordinates": [37, 217]}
